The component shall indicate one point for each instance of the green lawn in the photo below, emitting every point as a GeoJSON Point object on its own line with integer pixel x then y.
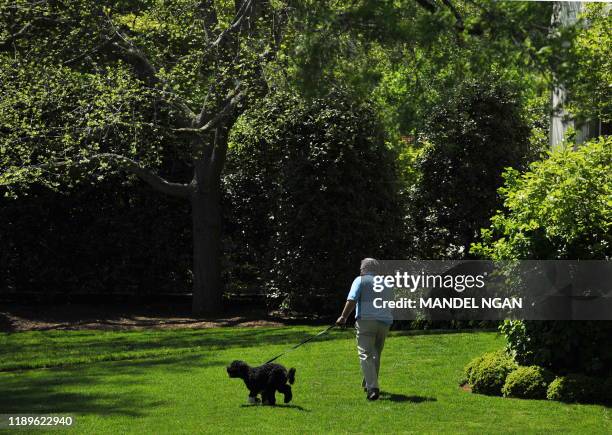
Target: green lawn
{"type": "Point", "coordinates": [175, 382]}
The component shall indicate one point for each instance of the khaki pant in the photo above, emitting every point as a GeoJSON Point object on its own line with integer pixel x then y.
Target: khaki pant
{"type": "Point", "coordinates": [371, 336]}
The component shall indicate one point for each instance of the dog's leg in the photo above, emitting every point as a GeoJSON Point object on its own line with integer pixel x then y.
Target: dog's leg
{"type": "Point", "coordinates": [286, 390]}
{"type": "Point", "coordinates": [253, 398]}
{"type": "Point", "coordinates": [268, 397]}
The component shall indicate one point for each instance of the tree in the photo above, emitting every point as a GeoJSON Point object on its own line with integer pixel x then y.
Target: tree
{"type": "Point", "coordinates": [141, 85]}
{"type": "Point", "coordinates": [583, 65]}
{"type": "Point", "coordinates": [405, 55]}
{"type": "Point", "coordinates": [90, 87]}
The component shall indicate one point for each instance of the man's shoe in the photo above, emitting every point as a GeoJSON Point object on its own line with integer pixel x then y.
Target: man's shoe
{"type": "Point", "coordinates": [373, 394]}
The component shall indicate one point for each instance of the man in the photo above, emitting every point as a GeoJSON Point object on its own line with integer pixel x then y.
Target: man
{"type": "Point", "coordinates": [372, 324]}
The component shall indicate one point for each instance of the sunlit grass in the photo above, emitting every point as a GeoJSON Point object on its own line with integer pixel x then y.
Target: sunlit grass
{"type": "Point", "coordinates": [175, 382]}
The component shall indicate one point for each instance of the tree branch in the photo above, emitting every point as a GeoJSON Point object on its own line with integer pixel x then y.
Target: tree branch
{"type": "Point", "coordinates": [89, 52]}
{"type": "Point", "coordinates": [218, 119]}
{"type": "Point", "coordinates": [219, 153]}
{"type": "Point", "coordinates": [430, 5]}
{"type": "Point", "coordinates": [148, 73]}
{"type": "Point", "coordinates": [209, 17]}
{"type": "Point", "coordinates": [204, 115]}
{"type": "Point", "coordinates": [245, 13]}
{"type": "Point", "coordinates": [427, 4]}
{"type": "Point", "coordinates": [14, 36]}
{"type": "Point", "coordinates": [155, 181]}
{"type": "Point", "coordinates": [459, 24]}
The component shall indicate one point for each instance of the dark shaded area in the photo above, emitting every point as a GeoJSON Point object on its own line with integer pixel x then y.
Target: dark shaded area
{"type": "Point", "coordinates": [6, 324]}
{"type": "Point", "coordinates": [172, 312]}
{"type": "Point", "coordinates": [283, 406]}
{"type": "Point", "coordinates": [393, 397]}
{"type": "Point", "coordinates": [563, 347]}
{"type": "Point", "coordinates": [115, 238]}
{"type": "Point", "coordinates": [78, 316]}
{"type": "Point", "coordinates": [175, 314]}
{"type": "Point", "coordinates": [192, 344]}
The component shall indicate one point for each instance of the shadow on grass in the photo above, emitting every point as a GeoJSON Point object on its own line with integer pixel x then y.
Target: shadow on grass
{"type": "Point", "coordinates": [60, 395]}
{"type": "Point", "coordinates": [393, 397]}
{"type": "Point", "coordinates": [50, 349]}
{"type": "Point", "coordinates": [207, 338]}
{"type": "Point", "coordinates": [283, 406]}
{"type": "Point", "coordinates": [412, 332]}
{"type": "Point", "coordinates": [120, 388]}
{"type": "Point", "coordinates": [17, 353]}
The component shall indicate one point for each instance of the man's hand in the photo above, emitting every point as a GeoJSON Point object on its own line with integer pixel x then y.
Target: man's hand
{"type": "Point", "coordinates": [348, 309]}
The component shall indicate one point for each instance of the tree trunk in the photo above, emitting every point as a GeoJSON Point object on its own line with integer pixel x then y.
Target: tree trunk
{"type": "Point", "coordinates": [207, 285]}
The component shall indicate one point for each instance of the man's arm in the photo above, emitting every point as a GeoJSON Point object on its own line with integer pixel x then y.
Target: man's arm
{"type": "Point", "coordinates": [348, 309]}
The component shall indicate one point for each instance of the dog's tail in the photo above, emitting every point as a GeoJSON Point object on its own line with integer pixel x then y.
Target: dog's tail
{"type": "Point", "coordinates": [291, 375]}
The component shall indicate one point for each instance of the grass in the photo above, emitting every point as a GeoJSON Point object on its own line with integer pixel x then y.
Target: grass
{"type": "Point", "coordinates": [174, 381]}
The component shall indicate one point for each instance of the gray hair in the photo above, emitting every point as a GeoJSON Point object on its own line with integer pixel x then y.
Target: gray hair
{"type": "Point", "coordinates": [369, 265]}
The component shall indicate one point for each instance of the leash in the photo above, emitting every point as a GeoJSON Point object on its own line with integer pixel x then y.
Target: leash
{"type": "Point", "coordinates": [325, 331]}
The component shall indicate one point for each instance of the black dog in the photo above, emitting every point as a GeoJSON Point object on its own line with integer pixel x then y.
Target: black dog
{"type": "Point", "coordinates": [266, 379]}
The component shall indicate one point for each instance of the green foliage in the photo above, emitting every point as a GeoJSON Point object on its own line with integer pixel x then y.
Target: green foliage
{"type": "Point", "coordinates": [487, 373]}
{"type": "Point", "coordinates": [311, 190]}
{"type": "Point", "coordinates": [469, 369]}
{"type": "Point", "coordinates": [559, 209]}
{"type": "Point", "coordinates": [93, 87]}
{"type": "Point", "coordinates": [472, 137]}
{"type": "Point", "coordinates": [406, 57]}
{"type": "Point", "coordinates": [561, 346]}
{"type": "Point", "coordinates": [586, 68]}
{"type": "Point", "coordinates": [578, 388]}
{"type": "Point", "coordinates": [80, 78]}
{"type": "Point", "coordinates": [73, 85]}
{"type": "Point", "coordinates": [527, 383]}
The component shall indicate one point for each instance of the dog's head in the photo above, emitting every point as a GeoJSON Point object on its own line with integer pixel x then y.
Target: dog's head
{"type": "Point", "coordinates": [238, 369]}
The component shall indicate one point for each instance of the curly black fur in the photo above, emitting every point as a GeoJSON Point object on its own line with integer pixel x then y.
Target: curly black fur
{"type": "Point", "coordinates": [266, 379]}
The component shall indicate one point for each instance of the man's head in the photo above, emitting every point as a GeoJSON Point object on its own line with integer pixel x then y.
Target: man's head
{"type": "Point", "coordinates": [369, 266]}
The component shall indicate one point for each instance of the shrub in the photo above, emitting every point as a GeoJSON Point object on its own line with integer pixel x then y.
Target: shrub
{"type": "Point", "coordinates": [527, 383]}
{"type": "Point", "coordinates": [487, 374]}
{"type": "Point", "coordinates": [310, 191]}
{"type": "Point", "coordinates": [559, 209]}
{"type": "Point", "coordinates": [579, 346]}
{"type": "Point", "coordinates": [471, 138]}
{"type": "Point", "coordinates": [576, 388]}
{"type": "Point", "coordinates": [469, 369]}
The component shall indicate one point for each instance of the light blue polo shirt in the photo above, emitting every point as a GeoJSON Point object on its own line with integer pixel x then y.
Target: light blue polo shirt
{"type": "Point", "coordinates": [362, 291]}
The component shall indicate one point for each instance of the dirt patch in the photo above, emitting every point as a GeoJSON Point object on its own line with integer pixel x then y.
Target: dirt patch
{"type": "Point", "coordinates": [466, 387]}
{"type": "Point", "coordinates": [84, 317]}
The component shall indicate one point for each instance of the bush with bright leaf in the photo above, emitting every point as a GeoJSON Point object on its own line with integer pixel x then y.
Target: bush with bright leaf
{"type": "Point", "coordinates": [559, 209]}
